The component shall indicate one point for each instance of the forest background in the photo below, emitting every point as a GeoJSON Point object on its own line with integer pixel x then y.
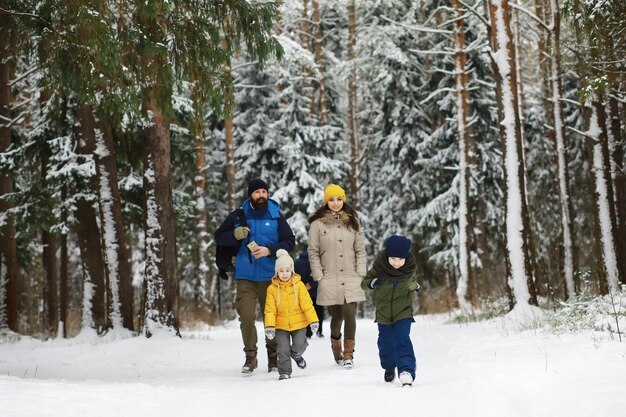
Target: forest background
{"type": "Point", "coordinates": [489, 132]}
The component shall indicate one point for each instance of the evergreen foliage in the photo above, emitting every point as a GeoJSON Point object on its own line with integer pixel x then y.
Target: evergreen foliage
{"type": "Point", "coordinates": [203, 61]}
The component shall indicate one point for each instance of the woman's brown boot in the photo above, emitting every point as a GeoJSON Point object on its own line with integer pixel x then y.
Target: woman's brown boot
{"type": "Point", "coordinates": [348, 351]}
{"type": "Point", "coordinates": [335, 345]}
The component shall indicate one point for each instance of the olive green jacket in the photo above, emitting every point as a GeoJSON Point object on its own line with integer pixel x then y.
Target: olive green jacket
{"type": "Point", "coordinates": [394, 298]}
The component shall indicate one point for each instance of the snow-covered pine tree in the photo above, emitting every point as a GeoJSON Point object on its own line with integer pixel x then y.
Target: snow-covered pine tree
{"type": "Point", "coordinates": [280, 139]}
{"type": "Point", "coordinates": [561, 147]}
{"type": "Point", "coordinates": [539, 150]}
{"type": "Point", "coordinates": [598, 35]}
{"type": "Point", "coordinates": [600, 173]}
{"type": "Point", "coordinates": [552, 250]}
{"type": "Point", "coordinates": [9, 267]}
{"type": "Point", "coordinates": [466, 162]}
{"type": "Point", "coordinates": [394, 120]}
{"type": "Point", "coordinates": [517, 224]}
{"type": "Point", "coordinates": [96, 101]}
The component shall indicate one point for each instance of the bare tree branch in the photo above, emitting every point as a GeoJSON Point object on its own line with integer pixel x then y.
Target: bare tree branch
{"type": "Point", "coordinates": [417, 28]}
{"type": "Point", "coordinates": [21, 14]}
{"type": "Point", "coordinates": [531, 15]}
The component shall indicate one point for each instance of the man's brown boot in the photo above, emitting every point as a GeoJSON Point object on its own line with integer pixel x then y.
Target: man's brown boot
{"type": "Point", "coordinates": [251, 363]}
{"type": "Point", "coordinates": [272, 363]}
{"type": "Point", "coordinates": [348, 351]}
{"type": "Point", "coordinates": [335, 345]}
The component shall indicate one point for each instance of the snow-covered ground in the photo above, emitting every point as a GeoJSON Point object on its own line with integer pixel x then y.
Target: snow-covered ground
{"type": "Point", "coordinates": [479, 369]}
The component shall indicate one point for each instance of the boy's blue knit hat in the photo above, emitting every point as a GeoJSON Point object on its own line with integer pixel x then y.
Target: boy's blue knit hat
{"type": "Point", "coordinates": [397, 247]}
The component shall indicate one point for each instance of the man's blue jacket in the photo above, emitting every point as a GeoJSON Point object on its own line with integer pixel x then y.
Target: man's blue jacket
{"type": "Point", "coordinates": [267, 228]}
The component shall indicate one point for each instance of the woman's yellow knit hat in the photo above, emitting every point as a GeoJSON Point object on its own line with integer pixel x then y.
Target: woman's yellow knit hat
{"type": "Point", "coordinates": [333, 190]}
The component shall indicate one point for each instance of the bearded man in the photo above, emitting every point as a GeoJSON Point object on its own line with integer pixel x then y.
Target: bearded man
{"type": "Point", "coordinates": [267, 231]}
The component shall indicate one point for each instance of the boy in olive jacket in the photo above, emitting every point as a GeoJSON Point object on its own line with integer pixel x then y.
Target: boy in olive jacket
{"type": "Point", "coordinates": [392, 280]}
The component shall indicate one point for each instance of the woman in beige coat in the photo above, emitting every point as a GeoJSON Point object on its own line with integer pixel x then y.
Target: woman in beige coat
{"type": "Point", "coordinates": [337, 257]}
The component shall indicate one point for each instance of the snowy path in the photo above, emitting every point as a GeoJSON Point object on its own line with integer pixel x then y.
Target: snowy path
{"type": "Point", "coordinates": [480, 369]}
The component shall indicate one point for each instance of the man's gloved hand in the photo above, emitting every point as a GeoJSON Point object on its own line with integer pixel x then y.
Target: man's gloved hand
{"type": "Point", "coordinates": [270, 333]}
{"type": "Point", "coordinates": [315, 327]}
{"type": "Point", "coordinates": [241, 232]}
{"type": "Point", "coordinates": [376, 282]}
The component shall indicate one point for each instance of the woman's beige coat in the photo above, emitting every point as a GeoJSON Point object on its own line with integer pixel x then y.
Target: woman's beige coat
{"type": "Point", "coordinates": [337, 257]}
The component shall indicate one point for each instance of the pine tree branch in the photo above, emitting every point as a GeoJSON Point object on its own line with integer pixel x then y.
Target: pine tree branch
{"type": "Point", "coordinates": [580, 132]}
{"type": "Point", "coordinates": [436, 92]}
{"type": "Point", "coordinates": [569, 101]}
{"type": "Point", "coordinates": [21, 14]}
{"type": "Point", "coordinates": [473, 11]}
{"type": "Point", "coordinates": [417, 28]}
{"type": "Point", "coordinates": [424, 52]}
{"type": "Point", "coordinates": [25, 74]}
{"type": "Point", "coordinates": [531, 15]}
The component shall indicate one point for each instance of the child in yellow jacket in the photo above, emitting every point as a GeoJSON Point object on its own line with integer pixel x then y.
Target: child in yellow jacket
{"type": "Point", "coordinates": [288, 311]}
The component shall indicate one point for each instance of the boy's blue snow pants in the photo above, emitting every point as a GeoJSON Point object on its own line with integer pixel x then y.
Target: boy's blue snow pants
{"type": "Point", "coordinates": [395, 348]}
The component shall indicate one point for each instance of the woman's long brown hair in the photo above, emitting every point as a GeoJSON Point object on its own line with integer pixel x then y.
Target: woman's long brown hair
{"type": "Point", "coordinates": [353, 219]}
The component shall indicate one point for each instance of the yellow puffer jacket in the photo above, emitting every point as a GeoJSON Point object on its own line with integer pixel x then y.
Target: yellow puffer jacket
{"type": "Point", "coordinates": [288, 305]}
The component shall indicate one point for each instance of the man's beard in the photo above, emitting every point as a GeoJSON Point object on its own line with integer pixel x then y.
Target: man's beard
{"type": "Point", "coordinates": [260, 203]}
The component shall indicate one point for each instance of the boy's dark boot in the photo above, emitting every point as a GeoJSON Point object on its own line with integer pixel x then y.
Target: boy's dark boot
{"type": "Point", "coordinates": [390, 375]}
{"type": "Point", "coordinates": [251, 363]}
{"type": "Point", "coordinates": [348, 350]}
{"type": "Point", "coordinates": [335, 345]}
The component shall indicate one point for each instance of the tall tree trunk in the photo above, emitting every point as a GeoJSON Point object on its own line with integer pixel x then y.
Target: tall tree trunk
{"type": "Point", "coordinates": [352, 105]}
{"type": "Point", "coordinates": [487, 270]}
{"type": "Point", "coordinates": [161, 270]}
{"type": "Point", "coordinates": [464, 285]}
{"type": "Point", "coordinates": [587, 110]}
{"type": "Point", "coordinates": [63, 290]}
{"type": "Point", "coordinates": [543, 55]}
{"type": "Point", "coordinates": [7, 233]}
{"type": "Point", "coordinates": [323, 111]}
{"type": "Point", "coordinates": [519, 74]}
{"type": "Point", "coordinates": [517, 224]}
{"type": "Point", "coordinates": [603, 196]}
{"type": "Point", "coordinates": [616, 149]}
{"type": "Point", "coordinates": [534, 272]}
{"type": "Point", "coordinates": [561, 150]}
{"type": "Point", "coordinates": [50, 271]}
{"type": "Point", "coordinates": [619, 184]}
{"type": "Point", "coordinates": [94, 284]}
{"type": "Point", "coordinates": [229, 145]}
{"type": "Point", "coordinates": [117, 258]}
{"type": "Point", "coordinates": [89, 238]}
{"type": "Point", "coordinates": [542, 275]}
{"type": "Point", "coordinates": [161, 310]}
{"type": "Point", "coordinates": [202, 285]}
{"type": "Point", "coordinates": [230, 162]}
{"type": "Point", "coordinates": [305, 40]}
{"type": "Point", "coordinates": [594, 117]}
{"type": "Point", "coordinates": [50, 294]}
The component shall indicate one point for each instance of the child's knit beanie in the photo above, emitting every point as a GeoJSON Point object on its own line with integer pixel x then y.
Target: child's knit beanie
{"type": "Point", "coordinates": [397, 247]}
{"type": "Point", "coordinates": [283, 260]}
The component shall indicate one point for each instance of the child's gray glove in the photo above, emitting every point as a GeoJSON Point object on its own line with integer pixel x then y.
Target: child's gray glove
{"type": "Point", "coordinates": [270, 333]}
{"type": "Point", "coordinates": [315, 327]}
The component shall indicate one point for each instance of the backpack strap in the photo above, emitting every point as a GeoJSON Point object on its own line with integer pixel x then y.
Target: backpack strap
{"type": "Point", "coordinates": [243, 222]}
{"type": "Point", "coordinates": [242, 217]}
